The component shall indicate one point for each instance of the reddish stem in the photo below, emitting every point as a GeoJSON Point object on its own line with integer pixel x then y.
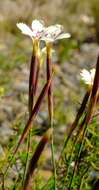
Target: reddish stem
{"type": "Point", "coordinates": [34, 160]}
{"type": "Point", "coordinates": [34, 113]}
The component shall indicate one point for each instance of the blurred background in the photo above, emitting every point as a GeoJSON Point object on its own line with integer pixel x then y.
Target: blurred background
{"type": "Point", "coordinates": [81, 19]}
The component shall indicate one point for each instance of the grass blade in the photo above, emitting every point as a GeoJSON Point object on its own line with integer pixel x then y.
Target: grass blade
{"type": "Point", "coordinates": [91, 107]}
{"type": "Point", "coordinates": [76, 121]}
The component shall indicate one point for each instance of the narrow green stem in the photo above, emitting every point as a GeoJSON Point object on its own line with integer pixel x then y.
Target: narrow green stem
{"type": "Point", "coordinates": [80, 128]}
{"type": "Point", "coordinates": [9, 165]}
{"type": "Point", "coordinates": [82, 178]}
{"type": "Point", "coordinates": [27, 156]}
{"type": "Point", "coordinates": [91, 107]}
{"type": "Point", "coordinates": [76, 121]}
{"type": "Point", "coordinates": [78, 156]}
{"type": "Point", "coordinates": [50, 105]}
{"type": "Point", "coordinates": [52, 149]}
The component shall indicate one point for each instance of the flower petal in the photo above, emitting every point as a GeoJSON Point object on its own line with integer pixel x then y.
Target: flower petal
{"type": "Point", "coordinates": [52, 28]}
{"type": "Point", "coordinates": [92, 71]}
{"type": "Point", "coordinates": [37, 25]}
{"type": "Point", "coordinates": [25, 29]}
{"type": "Point", "coordinates": [50, 33]}
{"type": "Point", "coordinates": [86, 76]}
{"type": "Point", "coordinates": [47, 39]}
{"type": "Point", "coordinates": [63, 35]}
{"type": "Point", "coordinates": [54, 32]}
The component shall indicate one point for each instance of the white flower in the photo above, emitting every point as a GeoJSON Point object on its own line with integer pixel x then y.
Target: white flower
{"type": "Point", "coordinates": [72, 164]}
{"type": "Point", "coordinates": [35, 31]}
{"type": "Point", "coordinates": [48, 34]}
{"type": "Point", "coordinates": [53, 33]}
{"type": "Point", "coordinates": [88, 76]}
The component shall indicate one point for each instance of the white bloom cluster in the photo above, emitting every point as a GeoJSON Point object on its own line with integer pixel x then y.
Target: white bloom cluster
{"type": "Point", "coordinates": [39, 31]}
{"type": "Point", "coordinates": [88, 76]}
